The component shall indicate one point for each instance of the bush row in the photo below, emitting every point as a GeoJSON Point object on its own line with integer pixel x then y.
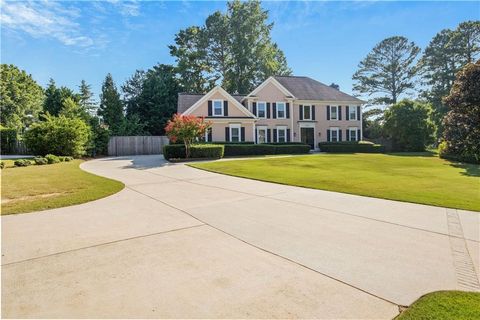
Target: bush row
{"type": "Point", "coordinates": [265, 149]}
{"type": "Point", "coordinates": [351, 146]}
{"type": "Point", "coordinates": [206, 151]}
{"type": "Point", "coordinates": [48, 159]}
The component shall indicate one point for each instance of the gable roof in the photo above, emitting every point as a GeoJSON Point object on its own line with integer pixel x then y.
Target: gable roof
{"type": "Point", "coordinates": [186, 100]}
{"type": "Point", "coordinates": [203, 98]}
{"type": "Point", "coordinates": [305, 88]}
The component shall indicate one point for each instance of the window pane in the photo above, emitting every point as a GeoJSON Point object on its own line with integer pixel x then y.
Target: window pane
{"type": "Point", "coordinates": [353, 113]}
{"type": "Point", "coordinates": [333, 113]}
{"type": "Point", "coordinates": [353, 135]}
{"type": "Point", "coordinates": [235, 134]}
{"type": "Point", "coordinates": [261, 110]}
{"type": "Point", "coordinates": [281, 135]}
{"type": "Point", "coordinates": [334, 134]}
{"type": "Point", "coordinates": [306, 112]}
{"type": "Point", "coordinates": [280, 110]}
{"type": "Point", "coordinates": [217, 108]}
{"type": "Point", "coordinates": [262, 136]}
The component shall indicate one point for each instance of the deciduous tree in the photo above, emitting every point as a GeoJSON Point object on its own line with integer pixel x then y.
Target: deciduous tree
{"type": "Point", "coordinates": [186, 129]}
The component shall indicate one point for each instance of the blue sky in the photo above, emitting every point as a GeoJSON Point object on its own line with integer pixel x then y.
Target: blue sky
{"type": "Point", "coordinates": [69, 41]}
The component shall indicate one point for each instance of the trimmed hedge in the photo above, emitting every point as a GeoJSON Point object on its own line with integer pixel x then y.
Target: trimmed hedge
{"type": "Point", "coordinates": [351, 147]}
{"type": "Point", "coordinates": [207, 151]}
{"type": "Point", "coordinates": [265, 149]}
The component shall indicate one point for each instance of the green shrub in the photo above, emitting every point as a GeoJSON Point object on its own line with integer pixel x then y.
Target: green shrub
{"type": "Point", "coordinates": [465, 157]}
{"type": "Point", "coordinates": [67, 159]}
{"type": "Point", "coordinates": [350, 147]}
{"type": "Point", "coordinates": [265, 149]}
{"type": "Point", "coordinates": [51, 159]}
{"type": "Point", "coordinates": [40, 161]}
{"type": "Point", "coordinates": [22, 163]}
{"type": "Point", "coordinates": [208, 151]}
{"type": "Point", "coordinates": [2, 164]}
{"type": "Point", "coordinates": [58, 135]}
{"type": "Point", "coordinates": [8, 140]}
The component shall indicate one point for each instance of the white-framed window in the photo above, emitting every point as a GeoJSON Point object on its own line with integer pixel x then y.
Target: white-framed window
{"type": "Point", "coordinates": [217, 107]}
{"type": "Point", "coordinates": [262, 134]}
{"type": "Point", "coordinates": [262, 109]}
{"type": "Point", "coordinates": [333, 112]}
{"type": "Point", "coordinates": [334, 135]}
{"type": "Point", "coordinates": [281, 110]}
{"type": "Point", "coordinates": [235, 133]}
{"type": "Point", "coordinates": [352, 134]}
{"type": "Point", "coordinates": [281, 134]}
{"type": "Point", "coordinates": [352, 112]}
{"type": "Point", "coordinates": [307, 112]}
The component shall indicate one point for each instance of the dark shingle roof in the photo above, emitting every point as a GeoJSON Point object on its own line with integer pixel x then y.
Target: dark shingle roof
{"type": "Point", "coordinates": [305, 88]}
{"type": "Point", "coordinates": [186, 100]}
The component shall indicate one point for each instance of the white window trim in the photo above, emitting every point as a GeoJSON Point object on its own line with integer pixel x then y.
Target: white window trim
{"type": "Point", "coordinates": [284, 109]}
{"type": "Point", "coordinates": [350, 129]}
{"type": "Point", "coordinates": [265, 104]}
{"type": "Point", "coordinates": [336, 118]}
{"type": "Point", "coordinates": [303, 111]}
{"type": "Point", "coordinates": [235, 125]}
{"type": "Point", "coordinates": [213, 107]}
{"type": "Point", "coordinates": [350, 113]}
{"type": "Point", "coordinates": [284, 128]}
{"type": "Point", "coordinates": [331, 135]}
{"type": "Point", "coordinates": [258, 128]}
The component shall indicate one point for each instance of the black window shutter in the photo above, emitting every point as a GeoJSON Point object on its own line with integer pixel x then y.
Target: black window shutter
{"type": "Point", "coordinates": [225, 108]}
{"type": "Point", "coordinates": [288, 135]}
{"type": "Point", "coordinates": [274, 110]}
{"type": "Point", "coordinates": [242, 134]}
{"type": "Point", "coordinates": [256, 135]}
{"type": "Point", "coordinates": [328, 135]}
{"type": "Point", "coordinates": [274, 135]}
{"type": "Point", "coordinates": [339, 135]}
{"type": "Point", "coordinates": [269, 135]}
{"type": "Point", "coordinates": [328, 112]}
{"type": "Point", "coordinates": [347, 111]}
{"type": "Point", "coordinates": [268, 110]}
{"type": "Point", "coordinates": [313, 112]}
{"type": "Point", "coordinates": [359, 135]}
{"type": "Point", "coordinates": [287, 106]}
{"type": "Point", "coordinates": [227, 134]}
{"type": "Point", "coordinates": [347, 135]}
{"type": "Point", "coordinates": [209, 108]}
{"type": "Point", "coordinates": [339, 112]}
{"type": "Point", "coordinates": [300, 112]}
{"type": "Point", "coordinates": [358, 113]}
{"type": "Point", "coordinates": [254, 106]}
{"type": "Point", "coordinates": [209, 135]}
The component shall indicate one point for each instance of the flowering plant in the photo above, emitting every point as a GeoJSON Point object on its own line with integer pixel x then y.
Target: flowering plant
{"type": "Point", "coordinates": [186, 128]}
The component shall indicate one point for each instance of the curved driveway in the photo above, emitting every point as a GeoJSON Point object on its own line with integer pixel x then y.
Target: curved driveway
{"type": "Point", "coordinates": [179, 242]}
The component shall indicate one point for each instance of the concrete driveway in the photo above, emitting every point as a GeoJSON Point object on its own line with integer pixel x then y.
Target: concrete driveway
{"type": "Point", "coordinates": [179, 242]}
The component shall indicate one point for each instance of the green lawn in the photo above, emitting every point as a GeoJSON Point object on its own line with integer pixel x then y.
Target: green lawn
{"type": "Point", "coordinates": [26, 189]}
{"type": "Point", "coordinates": [444, 305]}
{"type": "Point", "coordinates": [412, 177]}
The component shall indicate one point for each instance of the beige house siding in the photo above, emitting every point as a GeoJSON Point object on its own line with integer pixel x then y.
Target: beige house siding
{"type": "Point", "coordinates": [218, 130]}
{"type": "Point", "coordinates": [233, 111]}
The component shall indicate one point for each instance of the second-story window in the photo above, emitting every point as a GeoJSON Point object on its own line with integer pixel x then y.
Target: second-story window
{"type": "Point", "coordinates": [333, 112]}
{"type": "Point", "coordinates": [261, 109]}
{"type": "Point", "coordinates": [307, 112]}
{"type": "Point", "coordinates": [281, 110]}
{"type": "Point", "coordinates": [352, 113]}
{"type": "Point", "coordinates": [218, 107]}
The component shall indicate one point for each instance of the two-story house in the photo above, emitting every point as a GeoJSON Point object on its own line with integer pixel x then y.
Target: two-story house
{"type": "Point", "coordinates": [281, 109]}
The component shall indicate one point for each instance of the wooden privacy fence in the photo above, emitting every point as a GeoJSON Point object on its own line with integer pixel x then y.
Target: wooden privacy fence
{"type": "Point", "coordinates": [136, 145]}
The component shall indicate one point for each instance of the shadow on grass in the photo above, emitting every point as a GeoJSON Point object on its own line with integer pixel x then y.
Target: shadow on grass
{"type": "Point", "coordinates": [471, 170]}
{"type": "Point", "coordinates": [413, 154]}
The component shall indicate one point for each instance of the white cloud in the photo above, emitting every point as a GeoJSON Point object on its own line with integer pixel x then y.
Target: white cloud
{"type": "Point", "coordinates": [126, 8]}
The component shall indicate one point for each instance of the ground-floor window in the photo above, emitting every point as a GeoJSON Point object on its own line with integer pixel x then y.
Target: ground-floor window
{"type": "Point", "coordinates": [235, 133]}
{"type": "Point", "coordinates": [334, 135]}
{"type": "Point", "coordinates": [281, 134]}
{"type": "Point", "coordinates": [262, 135]}
{"type": "Point", "coordinates": [352, 134]}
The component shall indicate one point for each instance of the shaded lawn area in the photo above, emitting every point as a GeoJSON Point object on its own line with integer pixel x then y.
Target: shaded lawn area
{"type": "Point", "coordinates": [444, 305]}
{"type": "Point", "coordinates": [26, 189]}
{"type": "Point", "coordinates": [411, 177]}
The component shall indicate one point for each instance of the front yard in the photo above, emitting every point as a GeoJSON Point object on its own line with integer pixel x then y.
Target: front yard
{"type": "Point", "coordinates": [412, 177]}
{"type": "Point", "coordinates": [33, 188]}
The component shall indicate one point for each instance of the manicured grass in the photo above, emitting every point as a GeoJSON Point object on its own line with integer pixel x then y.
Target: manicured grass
{"type": "Point", "coordinates": [444, 305]}
{"type": "Point", "coordinates": [412, 177]}
{"type": "Point", "coordinates": [26, 189]}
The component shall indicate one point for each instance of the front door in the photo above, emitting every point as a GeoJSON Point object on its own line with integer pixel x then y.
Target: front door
{"type": "Point", "coordinates": [307, 136]}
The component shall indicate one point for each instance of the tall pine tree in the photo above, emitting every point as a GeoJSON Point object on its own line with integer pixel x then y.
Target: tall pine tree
{"type": "Point", "coordinates": [111, 107]}
{"type": "Point", "coordinates": [86, 101]}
